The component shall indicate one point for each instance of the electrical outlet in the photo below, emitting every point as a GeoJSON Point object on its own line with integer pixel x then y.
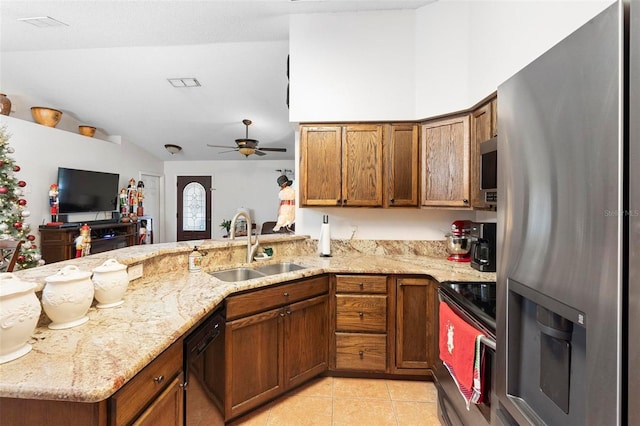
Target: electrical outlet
{"type": "Point", "coordinates": [135, 271]}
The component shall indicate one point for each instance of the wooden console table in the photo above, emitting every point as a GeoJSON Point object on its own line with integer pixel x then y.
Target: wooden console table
{"type": "Point", "coordinates": [58, 243]}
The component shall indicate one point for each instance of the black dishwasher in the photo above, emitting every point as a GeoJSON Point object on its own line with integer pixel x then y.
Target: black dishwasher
{"type": "Point", "coordinates": [204, 372]}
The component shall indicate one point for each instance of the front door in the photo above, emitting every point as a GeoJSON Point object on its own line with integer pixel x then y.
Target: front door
{"type": "Point", "coordinates": [194, 208]}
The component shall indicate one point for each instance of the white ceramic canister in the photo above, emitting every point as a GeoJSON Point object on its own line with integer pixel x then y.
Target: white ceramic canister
{"type": "Point", "coordinates": [110, 283]}
{"type": "Point", "coordinates": [67, 297]}
{"type": "Point", "coordinates": [19, 313]}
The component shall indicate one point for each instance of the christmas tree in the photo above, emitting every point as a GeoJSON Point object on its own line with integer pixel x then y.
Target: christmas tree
{"type": "Point", "coordinates": [12, 208]}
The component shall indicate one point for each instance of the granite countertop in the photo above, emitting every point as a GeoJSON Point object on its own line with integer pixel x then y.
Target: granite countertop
{"type": "Point", "coordinates": [90, 362]}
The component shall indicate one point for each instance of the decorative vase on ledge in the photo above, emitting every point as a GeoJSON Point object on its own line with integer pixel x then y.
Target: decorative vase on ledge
{"type": "Point", "coordinates": [5, 104]}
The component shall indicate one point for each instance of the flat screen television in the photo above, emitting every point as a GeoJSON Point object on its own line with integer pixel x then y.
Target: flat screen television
{"type": "Point", "coordinates": [84, 191]}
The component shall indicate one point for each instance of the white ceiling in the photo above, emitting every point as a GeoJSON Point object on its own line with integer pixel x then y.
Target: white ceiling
{"type": "Point", "coordinates": [108, 67]}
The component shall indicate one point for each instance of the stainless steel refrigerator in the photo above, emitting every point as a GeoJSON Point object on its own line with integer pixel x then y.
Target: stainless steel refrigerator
{"type": "Point", "coordinates": [568, 278]}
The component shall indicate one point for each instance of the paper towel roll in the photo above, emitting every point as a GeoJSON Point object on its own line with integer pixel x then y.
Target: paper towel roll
{"type": "Point", "coordinates": [324, 243]}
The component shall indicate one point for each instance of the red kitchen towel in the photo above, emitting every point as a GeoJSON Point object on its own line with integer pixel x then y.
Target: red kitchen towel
{"type": "Point", "coordinates": [458, 347]}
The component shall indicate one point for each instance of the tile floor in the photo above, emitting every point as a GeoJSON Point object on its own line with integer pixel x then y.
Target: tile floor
{"type": "Point", "coordinates": [337, 401]}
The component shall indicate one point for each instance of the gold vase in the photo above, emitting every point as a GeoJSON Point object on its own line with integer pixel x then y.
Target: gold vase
{"type": "Point", "coordinates": [5, 104]}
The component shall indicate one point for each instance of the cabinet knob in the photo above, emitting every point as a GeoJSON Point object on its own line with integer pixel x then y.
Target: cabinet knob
{"type": "Point", "coordinates": [159, 379]}
{"type": "Point", "coordinates": [285, 294]}
{"type": "Point", "coordinates": [361, 314]}
{"type": "Point", "coordinates": [344, 201]}
{"type": "Point", "coordinates": [464, 200]}
{"type": "Point", "coordinates": [282, 314]}
{"type": "Point", "coordinates": [288, 312]}
{"type": "Point", "coordinates": [361, 353]}
{"type": "Point", "coordinates": [361, 285]}
{"type": "Point", "coordinates": [392, 200]}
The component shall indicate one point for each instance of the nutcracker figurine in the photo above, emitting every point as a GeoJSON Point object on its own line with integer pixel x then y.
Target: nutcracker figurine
{"type": "Point", "coordinates": [53, 203]}
{"type": "Point", "coordinates": [132, 195]}
{"type": "Point", "coordinates": [140, 209]}
{"type": "Point", "coordinates": [83, 241]}
{"type": "Point", "coordinates": [287, 208]}
{"type": "Point", "coordinates": [124, 208]}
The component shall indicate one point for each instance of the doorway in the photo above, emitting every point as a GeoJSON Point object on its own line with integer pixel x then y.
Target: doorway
{"type": "Point", "coordinates": [152, 202]}
{"type": "Point", "coordinates": [194, 208]}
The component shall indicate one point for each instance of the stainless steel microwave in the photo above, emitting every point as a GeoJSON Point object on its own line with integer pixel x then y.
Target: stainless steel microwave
{"type": "Point", "coordinates": [489, 170]}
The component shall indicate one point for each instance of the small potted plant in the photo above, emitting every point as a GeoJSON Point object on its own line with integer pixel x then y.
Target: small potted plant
{"type": "Point", "coordinates": [226, 225]}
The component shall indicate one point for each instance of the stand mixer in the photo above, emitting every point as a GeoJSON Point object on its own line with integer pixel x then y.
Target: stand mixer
{"type": "Point", "coordinates": [459, 241]}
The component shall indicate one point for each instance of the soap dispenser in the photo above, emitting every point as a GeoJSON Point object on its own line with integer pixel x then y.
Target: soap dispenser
{"type": "Point", "coordinates": [195, 260]}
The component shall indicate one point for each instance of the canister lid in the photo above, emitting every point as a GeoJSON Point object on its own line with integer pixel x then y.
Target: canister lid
{"type": "Point", "coordinates": [110, 265]}
{"type": "Point", "coordinates": [10, 284]}
{"type": "Point", "coordinates": [68, 273]}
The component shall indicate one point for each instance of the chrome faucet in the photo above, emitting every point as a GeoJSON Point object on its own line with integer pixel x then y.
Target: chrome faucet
{"type": "Point", "coordinates": [251, 249]}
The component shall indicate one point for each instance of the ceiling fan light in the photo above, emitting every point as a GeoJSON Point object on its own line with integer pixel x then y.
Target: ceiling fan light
{"type": "Point", "coordinates": [246, 151]}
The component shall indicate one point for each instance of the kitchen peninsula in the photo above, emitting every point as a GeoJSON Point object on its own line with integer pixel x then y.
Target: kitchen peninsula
{"type": "Point", "coordinates": [79, 370]}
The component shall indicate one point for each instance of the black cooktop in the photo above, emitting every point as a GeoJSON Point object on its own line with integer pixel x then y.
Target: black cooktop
{"type": "Point", "coordinates": [476, 298]}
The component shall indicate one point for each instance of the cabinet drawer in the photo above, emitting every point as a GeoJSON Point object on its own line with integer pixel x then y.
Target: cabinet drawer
{"type": "Point", "coordinates": [361, 313]}
{"type": "Point", "coordinates": [361, 284]}
{"type": "Point", "coordinates": [358, 351]}
{"type": "Point", "coordinates": [129, 401]}
{"type": "Point", "coordinates": [272, 297]}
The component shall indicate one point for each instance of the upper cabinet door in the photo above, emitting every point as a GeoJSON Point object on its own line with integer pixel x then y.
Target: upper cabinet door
{"type": "Point", "coordinates": [402, 166]}
{"type": "Point", "coordinates": [321, 166]}
{"type": "Point", "coordinates": [362, 165]}
{"type": "Point", "coordinates": [445, 162]}
{"type": "Point", "coordinates": [482, 125]}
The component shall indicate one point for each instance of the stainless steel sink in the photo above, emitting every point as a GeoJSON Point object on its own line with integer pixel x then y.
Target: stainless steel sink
{"type": "Point", "coordinates": [279, 268]}
{"type": "Point", "coordinates": [237, 274]}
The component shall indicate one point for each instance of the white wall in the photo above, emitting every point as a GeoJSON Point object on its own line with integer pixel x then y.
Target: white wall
{"type": "Point", "coordinates": [442, 59]}
{"type": "Point", "coordinates": [40, 150]}
{"type": "Point", "coordinates": [352, 66]}
{"type": "Point", "coordinates": [243, 183]}
{"type": "Point", "coordinates": [506, 36]}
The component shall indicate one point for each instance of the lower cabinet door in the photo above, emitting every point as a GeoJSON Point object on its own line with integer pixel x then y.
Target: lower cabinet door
{"type": "Point", "coordinates": [167, 409]}
{"type": "Point", "coordinates": [306, 348]}
{"type": "Point", "coordinates": [253, 363]}
{"type": "Point", "coordinates": [415, 327]}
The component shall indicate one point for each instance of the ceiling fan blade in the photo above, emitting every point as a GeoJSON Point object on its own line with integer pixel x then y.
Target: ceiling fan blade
{"type": "Point", "coordinates": [231, 150]}
{"type": "Point", "coordinates": [220, 146]}
{"type": "Point", "coordinates": [258, 152]}
{"type": "Point", "coordinates": [274, 149]}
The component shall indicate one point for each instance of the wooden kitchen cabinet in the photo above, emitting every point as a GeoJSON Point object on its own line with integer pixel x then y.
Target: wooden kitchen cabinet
{"type": "Point", "coordinates": [483, 127]}
{"type": "Point", "coordinates": [446, 163]}
{"type": "Point", "coordinates": [275, 338]}
{"type": "Point", "coordinates": [415, 325]}
{"type": "Point", "coordinates": [154, 396]}
{"type": "Point", "coordinates": [341, 165]}
{"type": "Point", "coordinates": [402, 162]}
{"type": "Point", "coordinates": [360, 324]}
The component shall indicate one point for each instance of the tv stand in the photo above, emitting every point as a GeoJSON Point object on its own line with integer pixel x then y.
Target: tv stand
{"type": "Point", "coordinates": [58, 243]}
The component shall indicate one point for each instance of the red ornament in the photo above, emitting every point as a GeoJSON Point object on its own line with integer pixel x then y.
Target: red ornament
{"type": "Point", "coordinates": [21, 258]}
{"type": "Point", "coordinates": [31, 237]}
{"type": "Point", "coordinates": [17, 225]}
{"type": "Point", "coordinates": [16, 168]}
{"type": "Point", "coordinates": [22, 183]}
{"type": "Point", "coordinates": [22, 202]}
{"type": "Point", "coordinates": [3, 189]}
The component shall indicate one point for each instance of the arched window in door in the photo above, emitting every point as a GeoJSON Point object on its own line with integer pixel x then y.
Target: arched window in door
{"type": "Point", "coordinates": [194, 207]}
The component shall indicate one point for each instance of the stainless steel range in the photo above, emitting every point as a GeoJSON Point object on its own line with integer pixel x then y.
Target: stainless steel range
{"type": "Point", "coordinates": [475, 303]}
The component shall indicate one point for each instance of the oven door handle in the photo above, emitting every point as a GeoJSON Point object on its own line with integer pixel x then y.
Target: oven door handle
{"type": "Point", "coordinates": [488, 342]}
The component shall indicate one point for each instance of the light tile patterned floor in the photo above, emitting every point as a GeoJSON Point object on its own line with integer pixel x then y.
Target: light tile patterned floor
{"type": "Point", "coordinates": [350, 402]}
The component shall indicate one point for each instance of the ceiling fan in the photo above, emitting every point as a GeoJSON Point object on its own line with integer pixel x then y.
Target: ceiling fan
{"type": "Point", "coordinates": [248, 146]}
